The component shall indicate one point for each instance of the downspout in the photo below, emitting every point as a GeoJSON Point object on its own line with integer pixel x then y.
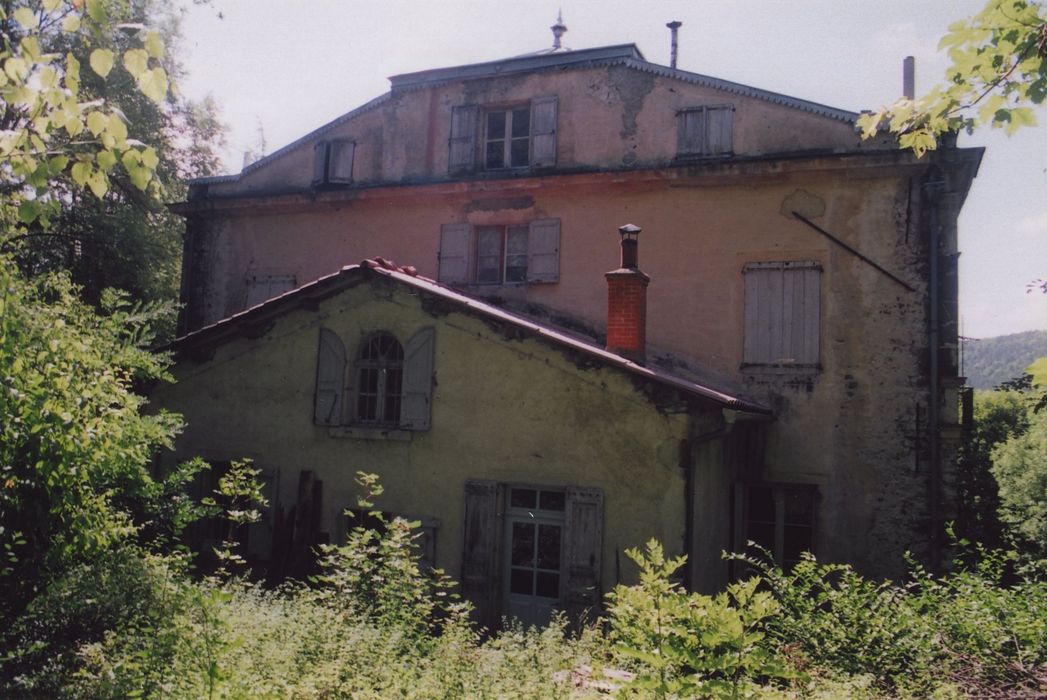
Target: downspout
{"type": "Point", "coordinates": [933, 408]}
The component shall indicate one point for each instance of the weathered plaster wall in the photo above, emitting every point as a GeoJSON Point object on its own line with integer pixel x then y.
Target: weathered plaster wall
{"type": "Point", "coordinates": [508, 410]}
{"type": "Point", "coordinates": [610, 117]}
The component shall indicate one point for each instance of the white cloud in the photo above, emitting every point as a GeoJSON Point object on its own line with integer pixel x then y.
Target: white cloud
{"type": "Point", "coordinates": [1034, 226]}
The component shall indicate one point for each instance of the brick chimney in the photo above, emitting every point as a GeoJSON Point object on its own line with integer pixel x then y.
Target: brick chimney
{"type": "Point", "coordinates": [627, 300]}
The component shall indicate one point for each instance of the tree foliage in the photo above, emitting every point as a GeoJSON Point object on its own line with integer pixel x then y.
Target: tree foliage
{"type": "Point", "coordinates": [997, 72]}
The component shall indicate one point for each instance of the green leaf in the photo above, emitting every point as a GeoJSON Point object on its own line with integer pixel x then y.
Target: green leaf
{"type": "Point", "coordinates": [28, 211]}
{"type": "Point", "coordinates": [96, 10]}
{"type": "Point", "coordinates": [136, 61]}
{"type": "Point", "coordinates": [154, 44]}
{"type": "Point", "coordinates": [149, 158]}
{"type": "Point", "coordinates": [96, 122]}
{"type": "Point", "coordinates": [51, 5]}
{"type": "Point", "coordinates": [71, 24]}
{"type": "Point", "coordinates": [27, 18]}
{"type": "Point", "coordinates": [80, 172]}
{"type": "Point", "coordinates": [153, 84]}
{"type": "Point", "coordinates": [106, 160]}
{"type": "Point", "coordinates": [16, 68]}
{"type": "Point", "coordinates": [102, 61]}
{"type": "Point", "coordinates": [99, 183]}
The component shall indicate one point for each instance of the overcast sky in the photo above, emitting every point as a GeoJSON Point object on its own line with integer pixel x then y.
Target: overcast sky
{"type": "Point", "coordinates": [284, 67]}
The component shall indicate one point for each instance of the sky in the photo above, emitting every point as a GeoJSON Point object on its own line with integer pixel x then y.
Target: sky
{"type": "Point", "coordinates": [280, 68]}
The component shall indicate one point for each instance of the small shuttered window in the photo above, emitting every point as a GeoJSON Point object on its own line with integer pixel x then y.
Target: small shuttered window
{"type": "Point", "coordinates": [782, 314]}
{"type": "Point", "coordinates": [515, 254]}
{"type": "Point", "coordinates": [705, 131]}
{"type": "Point", "coordinates": [333, 162]}
{"type": "Point", "coordinates": [509, 137]}
{"type": "Point", "coordinates": [262, 288]}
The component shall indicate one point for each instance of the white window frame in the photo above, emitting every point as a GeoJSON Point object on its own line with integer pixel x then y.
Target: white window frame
{"type": "Point", "coordinates": [534, 604]}
{"type": "Point", "coordinates": [507, 137]}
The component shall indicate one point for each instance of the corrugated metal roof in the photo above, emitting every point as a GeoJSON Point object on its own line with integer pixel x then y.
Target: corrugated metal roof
{"type": "Point", "coordinates": [328, 285]}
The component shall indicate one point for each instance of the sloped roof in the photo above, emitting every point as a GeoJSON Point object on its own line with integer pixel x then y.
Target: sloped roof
{"type": "Point", "coordinates": [622, 54]}
{"type": "Point", "coordinates": [230, 328]}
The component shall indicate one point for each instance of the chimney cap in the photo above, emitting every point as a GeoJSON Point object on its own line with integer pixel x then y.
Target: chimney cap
{"type": "Point", "coordinates": [675, 24]}
{"type": "Point", "coordinates": [629, 230]}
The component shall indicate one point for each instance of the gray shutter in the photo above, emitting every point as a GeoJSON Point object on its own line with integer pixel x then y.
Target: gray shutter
{"type": "Point", "coordinates": [802, 312]}
{"type": "Point", "coordinates": [543, 131]}
{"type": "Point", "coordinates": [454, 254]}
{"type": "Point", "coordinates": [690, 132]}
{"type": "Point", "coordinates": [330, 375]}
{"type": "Point", "coordinates": [461, 157]}
{"type": "Point", "coordinates": [480, 565]}
{"type": "Point", "coordinates": [719, 134]}
{"type": "Point", "coordinates": [319, 162]}
{"type": "Point", "coordinates": [417, 381]}
{"type": "Point", "coordinates": [782, 313]}
{"type": "Point", "coordinates": [543, 251]}
{"type": "Point", "coordinates": [583, 522]}
{"type": "Point", "coordinates": [340, 161]}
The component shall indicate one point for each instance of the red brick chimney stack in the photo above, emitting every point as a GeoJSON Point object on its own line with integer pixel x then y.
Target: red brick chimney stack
{"type": "Point", "coordinates": [627, 300]}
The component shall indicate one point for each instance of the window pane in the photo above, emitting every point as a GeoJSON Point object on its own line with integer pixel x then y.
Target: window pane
{"type": "Point", "coordinates": [520, 152]}
{"type": "Point", "coordinates": [495, 157]}
{"type": "Point", "coordinates": [489, 241]}
{"type": "Point", "coordinates": [366, 407]}
{"type": "Point", "coordinates": [797, 539]}
{"type": "Point", "coordinates": [521, 581]}
{"type": "Point", "coordinates": [552, 500]}
{"type": "Point", "coordinates": [761, 504]}
{"type": "Point", "coordinates": [549, 547]}
{"type": "Point", "coordinates": [516, 240]}
{"type": "Point", "coordinates": [495, 125]}
{"type": "Point", "coordinates": [763, 535]}
{"type": "Point", "coordinates": [548, 585]}
{"type": "Point", "coordinates": [522, 545]}
{"type": "Point", "coordinates": [516, 268]}
{"type": "Point", "coordinates": [521, 122]}
{"type": "Point", "coordinates": [523, 498]}
{"type": "Point", "coordinates": [799, 507]}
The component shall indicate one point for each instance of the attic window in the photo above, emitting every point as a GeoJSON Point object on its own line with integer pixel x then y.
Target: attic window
{"type": "Point", "coordinates": [705, 131]}
{"type": "Point", "coordinates": [333, 162]}
{"type": "Point", "coordinates": [510, 137]}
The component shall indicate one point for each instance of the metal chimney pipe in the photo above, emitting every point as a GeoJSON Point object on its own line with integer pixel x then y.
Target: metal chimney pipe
{"type": "Point", "coordinates": [909, 78]}
{"type": "Point", "coordinates": [673, 27]}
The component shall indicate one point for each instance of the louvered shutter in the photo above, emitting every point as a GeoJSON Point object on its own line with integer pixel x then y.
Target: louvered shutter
{"type": "Point", "coordinates": [417, 381]}
{"type": "Point", "coordinates": [690, 132]}
{"type": "Point", "coordinates": [543, 131]}
{"type": "Point", "coordinates": [319, 162]}
{"type": "Point", "coordinates": [340, 161]}
{"type": "Point", "coordinates": [262, 289]}
{"type": "Point", "coordinates": [583, 522]}
{"type": "Point", "coordinates": [461, 158]}
{"type": "Point", "coordinates": [330, 376]}
{"type": "Point", "coordinates": [454, 254]}
{"type": "Point", "coordinates": [543, 251]}
{"type": "Point", "coordinates": [480, 564]}
{"type": "Point", "coordinates": [719, 134]}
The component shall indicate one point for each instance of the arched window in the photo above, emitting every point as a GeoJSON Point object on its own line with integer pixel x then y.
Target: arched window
{"type": "Point", "coordinates": [379, 379]}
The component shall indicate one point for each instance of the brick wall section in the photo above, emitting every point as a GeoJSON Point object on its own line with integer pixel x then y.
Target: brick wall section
{"type": "Point", "coordinates": [627, 312]}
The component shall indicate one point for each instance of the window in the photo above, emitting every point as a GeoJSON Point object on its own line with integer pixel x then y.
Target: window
{"type": "Point", "coordinates": [423, 537]}
{"type": "Point", "coordinates": [705, 131]}
{"type": "Point", "coordinates": [262, 288]}
{"type": "Point", "coordinates": [379, 379]}
{"type": "Point", "coordinates": [782, 309]}
{"type": "Point", "coordinates": [390, 385]}
{"type": "Point", "coordinates": [333, 162]}
{"type": "Point", "coordinates": [778, 517]}
{"type": "Point", "coordinates": [514, 254]}
{"type": "Point", "coordinates": [547, 557]}
{"type": "Point", "coordinates": [510, 137]}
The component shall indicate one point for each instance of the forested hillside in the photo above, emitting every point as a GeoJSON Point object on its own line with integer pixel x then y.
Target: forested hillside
{"type": "Point", "coordinates": [989, 361]}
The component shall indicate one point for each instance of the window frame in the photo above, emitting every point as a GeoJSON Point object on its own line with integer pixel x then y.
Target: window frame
{"type": "Point", "coordinates": [507, 137]}
{"type": "Point", "coordinates": [325, 161]}
{"type": "Point", "coordinates": [686, 152]}
{"type": "Point", "coordinates": [460, 262]}
{"type": "Point", "coordinates": [284, 282]}
{"type": "Point", "coordinates": [383, 367]}
{"type": "Point", "coordinates": [780, 490]}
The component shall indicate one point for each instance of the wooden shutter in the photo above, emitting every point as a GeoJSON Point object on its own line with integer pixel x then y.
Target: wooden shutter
{"type": "Point", "coordinates": [417, 381]}
{"type": "Point", "coordinates": [263, 288]}
{"type": "Point", "coordinates": [782, 313]}
{"type": "Point", "coordinates": [718, 130]}
{"type": "Point", "coordinates": [480, 564]}
{"type": "Point", "coordinates": [690, 132]}
{"type": "Point", "coordinates": [543, 131]}
{"type": "Point", "coordinates": [330, 375]}
{"type": "Point", "coordinates": [319, 162]}
{"type": "Point", "coordinates": [340, 161]}
{"type": "Point", "coordinates": [543, 251]}
{"type": "Point", "coordinates": [461, 158]}
{"type": "Point", "coordinates": [454, 254]}
{"type": "Point", "coordinates": [583, 523]}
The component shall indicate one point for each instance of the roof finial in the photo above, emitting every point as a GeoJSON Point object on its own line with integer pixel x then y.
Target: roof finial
{"type": "Point", "coordinates": [558, 29]}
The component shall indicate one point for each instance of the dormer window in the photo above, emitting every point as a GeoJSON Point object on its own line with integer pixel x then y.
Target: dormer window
{"type": "Point", "coordinates": [522, 136]}
{"type": "Point", "coordinates": [333, 162]}
{"type": "Point", "coordinates": [704, 132]}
